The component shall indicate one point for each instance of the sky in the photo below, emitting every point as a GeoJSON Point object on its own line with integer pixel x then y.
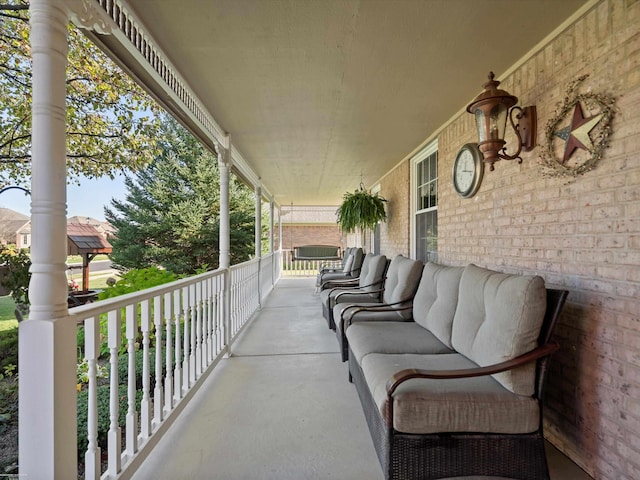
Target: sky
{"type": "Point", "coordinates": [87, 199]}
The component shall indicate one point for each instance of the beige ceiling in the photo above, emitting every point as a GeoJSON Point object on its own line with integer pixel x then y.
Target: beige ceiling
{"type": "Point", "coordinates": [317, 93]}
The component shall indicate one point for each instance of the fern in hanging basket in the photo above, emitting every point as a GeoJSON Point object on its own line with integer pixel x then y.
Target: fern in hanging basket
{"type": "Point", "coordinates": [360, 209]}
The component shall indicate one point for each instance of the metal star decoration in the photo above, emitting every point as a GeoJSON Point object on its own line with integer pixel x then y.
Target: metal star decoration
{"type": "Point", "coordinates": [578, 132]}
{"type": "Point", "coordinates": [591, 134]}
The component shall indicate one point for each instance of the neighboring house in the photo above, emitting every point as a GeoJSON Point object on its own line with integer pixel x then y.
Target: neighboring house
{"type": "Point", "coordinates": [15, 228]}
{"type": "Point", "coordinates": [104, 228]}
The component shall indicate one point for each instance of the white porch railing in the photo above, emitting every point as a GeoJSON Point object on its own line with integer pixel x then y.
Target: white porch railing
{"type": "Point", "coordinates": [182, 329]}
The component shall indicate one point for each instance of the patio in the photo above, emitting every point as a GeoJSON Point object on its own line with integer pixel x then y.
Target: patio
{"type": "Point", "coordinates": [280, 407]}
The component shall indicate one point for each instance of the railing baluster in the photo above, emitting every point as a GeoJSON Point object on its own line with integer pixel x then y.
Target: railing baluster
{"type": "Point", "coordinates": [114, 434]}
{"type": "Point", "coordinates": [168, 379]}
{"type": "Point", "coordinates": [208, 320]}
{"type": "Point", "coordinates": [198, 287]}
{"type": "Point", "coordinates": [92, 352]}
{"type": "Point", "coordinates": [132, 414]}
{"type": "Point", "coordinates": [216, 318]}
{"type": "Point", "coordinates": [177, 371]}
{"type": "Point", "coordinates": [158, 392]}
{"type": "Point", "coordinates": [187, 327]}
{"type": "Point", "coordinates": [145, 403]}
{"type": "Point", "coordinates": [193, 326]}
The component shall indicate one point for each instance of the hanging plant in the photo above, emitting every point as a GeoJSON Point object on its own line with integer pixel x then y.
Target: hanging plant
{"type": "Point", "coordinates": [360, 209]}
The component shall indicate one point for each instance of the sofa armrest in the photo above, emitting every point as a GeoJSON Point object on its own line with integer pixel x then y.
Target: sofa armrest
{"type": "Point", "coordinates": [407, 374]}
{"type": "Point", "coordinates": [349, 312]}
{"type": "Point", "coordinates": [380, 290]}
{"type": "Point", "coordinates": [337, 282]}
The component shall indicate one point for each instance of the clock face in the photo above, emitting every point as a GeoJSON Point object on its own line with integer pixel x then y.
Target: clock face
{"type": "Point", "coordinates": [468, 169]}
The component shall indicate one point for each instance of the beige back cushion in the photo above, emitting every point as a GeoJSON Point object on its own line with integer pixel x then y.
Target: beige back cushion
{"type": "Point", "coordinates": [498, 317]}
{"type": "Point", "coordinates": [434, 304]}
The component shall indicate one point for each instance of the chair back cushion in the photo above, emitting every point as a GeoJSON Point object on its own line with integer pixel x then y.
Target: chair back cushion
{"type": "Point", "coordinates": [348, 264]}
{"type": "Point", "coordinates": [402, 280]}
{"type": "Point", "coordinates": [434, 304]}
{"type": "Point", "coordinates": [364, 269]}
{"type": "Point", "coordinates": [358, 257]}
{"type": "Point", "coordinates": [498, 317]}
{"type": "Point", "coordinates": [373, 268]}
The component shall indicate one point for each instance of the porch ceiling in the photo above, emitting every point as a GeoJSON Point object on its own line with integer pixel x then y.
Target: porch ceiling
{"type": "Point", "coordinates": [317, 93]}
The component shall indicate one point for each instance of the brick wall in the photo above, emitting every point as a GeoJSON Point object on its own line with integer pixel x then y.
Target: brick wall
{"type": "Point", "coordinates": [296, 235]}
{"type": "Point", "coordinates": [395, 231]}
{"type": "Point", "coordinates": [582, 235]}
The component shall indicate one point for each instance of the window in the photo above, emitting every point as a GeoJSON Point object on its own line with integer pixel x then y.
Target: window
{"type": "Point", "coordinates": [425, 203]}
{"type": "Point", "coordinates": [25, 240]}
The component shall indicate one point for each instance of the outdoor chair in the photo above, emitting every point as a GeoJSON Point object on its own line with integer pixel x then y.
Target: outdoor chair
{"type": "Point", "coordinates": [350, 271]}
{"type": "Point", "coordinates": [401, 283]}
{"type": "Point", "coordinates": [368, 288]}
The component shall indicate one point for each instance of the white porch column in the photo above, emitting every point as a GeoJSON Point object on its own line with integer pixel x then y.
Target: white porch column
{"type": "Point", "coordinates": [271, 222]}
{"type": "Point", "coordinates": [258, 229]}
{"type": "Point", "coordinates": [280, 228]}
{"type": "Point", "coordinates": [224, 235]}
{"type": "Point", "coordinates": [47, 340]}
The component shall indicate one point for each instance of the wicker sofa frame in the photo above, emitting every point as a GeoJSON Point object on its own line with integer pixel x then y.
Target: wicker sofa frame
{"type": "Point", "coordinates": [444, 455]}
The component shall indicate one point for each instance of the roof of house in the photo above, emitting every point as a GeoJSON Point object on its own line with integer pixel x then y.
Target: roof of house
{"type": "Point", "coordinates": [85, 239]}
{"type": "Point", "coordinates": [10, 222]}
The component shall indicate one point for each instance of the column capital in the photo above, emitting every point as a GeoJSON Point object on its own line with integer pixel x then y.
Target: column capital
{"type": "Point", "coordinates": [89, 15]}
{"type": "Point", "coordinates": [224, 157]}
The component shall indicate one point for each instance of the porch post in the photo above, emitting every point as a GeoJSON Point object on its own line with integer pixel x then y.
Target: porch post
{"type": "Point", "coordinates": [224, 239]}
{"type": "Point", "coordinates": [271, 222]}
{"type": "Point", "coordinates": [258, 229]}
{"type": "Point", "coordinates": [271, 244]}
{"type": "Point", "coordinates": [258, 240]}
{"type": "Point", "coordinates": [47, 340]}
{"type": "Point", "coordinates": [224, 235]}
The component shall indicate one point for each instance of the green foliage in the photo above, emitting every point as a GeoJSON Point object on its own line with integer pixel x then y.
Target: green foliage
{"type": "Point", "coordinates": [103, 415]}
{"type": "Point", "coordinates": [8, 348]}
{"type": "Point", "coordinates": [171, 213]}
{"type": "Point", "coordinates": [136, 280]}
{"type": "Point", "coordinates": [361, 209]}
{"type": "Point", "coordinates": [16, 275]}
{"type": "Point", "coordinates": [82, 371]}
{"type": "Point", "coordinates": [111, 122]}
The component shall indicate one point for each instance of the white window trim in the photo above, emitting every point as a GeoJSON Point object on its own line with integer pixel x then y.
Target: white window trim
{"type": "Point", "coordinates": [413, 200]}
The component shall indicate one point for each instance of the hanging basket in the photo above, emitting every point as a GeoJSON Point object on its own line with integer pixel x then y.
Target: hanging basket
{"type": "Point", "coordinates": [361, 209]}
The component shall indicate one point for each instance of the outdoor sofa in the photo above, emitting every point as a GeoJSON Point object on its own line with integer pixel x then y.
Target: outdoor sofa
{"type": "Point", "coordinates": [458, 390]}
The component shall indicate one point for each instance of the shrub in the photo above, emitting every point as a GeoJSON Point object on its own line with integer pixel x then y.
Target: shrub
{"type": "Point", "coordinates": [103, 415]}
{"type": "Point", "coordinates": [136, 280]}
{"type": "Point", "coordinates": [17, 276]}
{"type": "Point", "coordinates": [8, 348]}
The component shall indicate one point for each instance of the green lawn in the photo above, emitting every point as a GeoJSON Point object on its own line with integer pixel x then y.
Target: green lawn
{"type": "Point", "coordinates": [7, 317]}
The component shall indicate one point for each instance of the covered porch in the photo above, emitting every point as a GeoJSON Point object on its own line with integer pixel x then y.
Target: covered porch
{"type": "Point", "coordinates": [281, 407]}
{"type": "Point", "coordinates": [277, 90]}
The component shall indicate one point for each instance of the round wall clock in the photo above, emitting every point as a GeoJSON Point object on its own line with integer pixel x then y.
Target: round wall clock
{"type": "Point", "coordinates": [468, 169]}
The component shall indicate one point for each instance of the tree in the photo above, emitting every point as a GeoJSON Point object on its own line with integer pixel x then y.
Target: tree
{"type": "Point", "coordinates": [170, 216]}
{"type": "Point", "coordinates": [111, 121]}
{"type": "Point", "coordinates": [15, 277]}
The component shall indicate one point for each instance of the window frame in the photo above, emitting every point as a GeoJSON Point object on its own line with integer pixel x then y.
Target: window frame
{"type": "Point", "coordinates": [423, 154]}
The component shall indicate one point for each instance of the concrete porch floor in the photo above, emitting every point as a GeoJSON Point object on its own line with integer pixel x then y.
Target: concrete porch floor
{"type": "Point", "coordinates": [280, 407]}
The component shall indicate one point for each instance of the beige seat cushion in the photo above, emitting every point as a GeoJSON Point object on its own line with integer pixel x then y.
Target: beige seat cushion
{"type": "Point", "coordinates": [392, 337]}
{"type": "Point", "coordinates": [422, 406]}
